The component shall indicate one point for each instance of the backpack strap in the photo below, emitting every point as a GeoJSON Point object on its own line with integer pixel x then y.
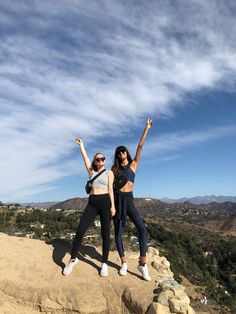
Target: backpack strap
{"type": "Point", "coordinates": [97, 175]}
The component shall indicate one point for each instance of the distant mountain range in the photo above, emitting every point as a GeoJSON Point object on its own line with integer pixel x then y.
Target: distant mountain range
{"type": "Point", "coordinates": [220, 216]}
{"type": "Point", "coordinates": [197, 200]}
{"type": "Point", "coordinates": [176, 211]}
{"type": "Point", "coordinates": [40, 204]}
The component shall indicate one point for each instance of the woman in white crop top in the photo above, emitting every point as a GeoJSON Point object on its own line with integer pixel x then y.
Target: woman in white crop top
{"type": "Point", "coordinates": [101, 202]}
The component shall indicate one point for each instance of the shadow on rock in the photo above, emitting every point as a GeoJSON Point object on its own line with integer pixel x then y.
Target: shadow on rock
{"type": "Point", "coordinates": [91, 251]}
{"type": "Point", "coordinates": [61, 247]}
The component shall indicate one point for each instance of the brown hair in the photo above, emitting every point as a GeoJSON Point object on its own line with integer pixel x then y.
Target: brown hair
{"type": "Point", "coordinates": [93, 165]}
{"type": "Point", "coordinates": [116, 163]}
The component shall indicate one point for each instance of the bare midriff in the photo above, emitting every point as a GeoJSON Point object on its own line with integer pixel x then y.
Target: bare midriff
{"type": "Point", "coordinates": [128, 187]}
{"type": "Point", "coordinates": [96, 191]}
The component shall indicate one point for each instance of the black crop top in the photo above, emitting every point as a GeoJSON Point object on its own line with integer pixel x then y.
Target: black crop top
{"type": "Point", "coordinates": [128, 172]}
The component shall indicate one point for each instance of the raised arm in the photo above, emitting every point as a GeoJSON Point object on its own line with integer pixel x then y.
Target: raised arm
{"type": "Point", "coordinates": [84, 154]}
{"type": "Point", "coordinates": [140, 145]}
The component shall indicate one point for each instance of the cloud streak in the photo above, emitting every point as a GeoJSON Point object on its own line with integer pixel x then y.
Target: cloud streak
{"type": "Point", "coordinates": [181, 139]}
{"type": "Point", "coordinates": [89, 69]}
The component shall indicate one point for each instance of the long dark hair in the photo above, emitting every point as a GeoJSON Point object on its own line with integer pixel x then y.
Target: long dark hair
{"type": "Point", "coordinates": [116, 163]}
{"type": "Point", "coordinates": [93, 165]}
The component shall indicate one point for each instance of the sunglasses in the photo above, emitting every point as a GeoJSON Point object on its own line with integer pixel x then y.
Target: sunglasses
{"type": "Point", "coordinates": [122, 151]}
{"type": "Point", "coordinates": [100, 159]}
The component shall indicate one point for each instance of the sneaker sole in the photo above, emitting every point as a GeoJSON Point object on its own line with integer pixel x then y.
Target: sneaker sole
{"type": "Point", "coordinates": [103, 275]}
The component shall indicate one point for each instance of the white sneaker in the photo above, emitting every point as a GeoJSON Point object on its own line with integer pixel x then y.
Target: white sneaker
{"type": "Point", "coordinates": [144, 271]}
{"type": "Point", "coordinates": [69, 267]}
{"type": "Point", "coordinates": [123, 269]}
{"type": "Point", "coordinates": [104, 270]}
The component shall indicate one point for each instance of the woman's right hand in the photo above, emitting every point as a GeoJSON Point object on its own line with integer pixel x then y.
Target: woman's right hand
{"type": "Point", "coordinates": [79, 141]}
{"type": "Point", "coordinates": [87, 162]}
{"type": "Point", "coordinates": [113, 211]}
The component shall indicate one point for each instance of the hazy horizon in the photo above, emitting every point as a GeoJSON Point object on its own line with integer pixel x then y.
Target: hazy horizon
{"type": "Point", "coordinates": [145, 197]}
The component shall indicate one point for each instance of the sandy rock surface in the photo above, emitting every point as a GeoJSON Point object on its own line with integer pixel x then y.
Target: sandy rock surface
{"type": "Point", "coordinates": [31, 280]}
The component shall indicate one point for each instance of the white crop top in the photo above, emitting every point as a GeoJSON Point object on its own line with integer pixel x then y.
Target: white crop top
{"type": "Point", "coordinates": [102, 181]}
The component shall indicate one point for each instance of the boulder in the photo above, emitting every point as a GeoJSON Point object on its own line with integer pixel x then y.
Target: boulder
{"type": "Point", "coordinates": [152, 250]}
{"type": "Point", "coordinates": [166, 263]}
{"type": "Point", "coordinates": [170, 284]}
{"type": "Point", "coordinates": [155, 265]}
{"type": "Point", "coordinates": [136, 299]}
{"type": "Point", "coordinates": [164, 297]}
{"type": "Point", "coordinates": [179, 305]}
{"type": "Point", "coordinates": [157, 308]}
{"type": "Point", "coordinates": [190, 310]}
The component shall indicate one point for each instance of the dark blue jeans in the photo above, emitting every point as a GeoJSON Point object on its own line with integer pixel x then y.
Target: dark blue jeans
{"type": "Point", "coordinates": [134, 216]}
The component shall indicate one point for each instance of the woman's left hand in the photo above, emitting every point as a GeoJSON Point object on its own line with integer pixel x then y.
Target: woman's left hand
{"type": "Point", "coordinates": [113, 211]}
{"type": "Point", "coordinates": [149, 123]}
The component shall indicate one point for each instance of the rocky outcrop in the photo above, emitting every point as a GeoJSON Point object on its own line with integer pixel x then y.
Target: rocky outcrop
{"type": "Point", "coordinates": [169, 296]}
{"type": "Point", "coordinates": [32, 282]}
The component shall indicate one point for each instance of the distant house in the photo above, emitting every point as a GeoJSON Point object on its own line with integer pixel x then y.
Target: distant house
{"type": "Point", "coordinates": [37, 225]}
{"type": "Point", "coordinates": [151, 243]}
{"type": "Point", "coordinates": [29, 209]}
{"type": "Point", "coordinates": [43, 209]}
{"type": "Point", "coordinates": [207, 253]}
{"type": "Point", "coordinates": [92, 236]}
{"type": "Point", "coordinates": [70, 235]}
{"type": "Point", "coordinates": [18, 233]}
{"type": "Point", "coordinates": [30, 235]}
{"type": "Point", "coordinates": [97, 223]}
{"type": "Point", "coordinates": [204, 300]}
{"type": "Point", "coordinates": [21, 211]}
{"type": "Point", "coordinates": [47, 234]}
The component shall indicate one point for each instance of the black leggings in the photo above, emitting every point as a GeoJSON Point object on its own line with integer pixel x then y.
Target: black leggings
{"type": "Point", "coordinates": [97, 205]}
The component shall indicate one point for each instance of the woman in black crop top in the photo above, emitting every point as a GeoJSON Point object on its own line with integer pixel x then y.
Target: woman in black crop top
{"type": "Point", "coordinates": [101, 202]}
{"type": "Point", "coordinates": [124, 169]}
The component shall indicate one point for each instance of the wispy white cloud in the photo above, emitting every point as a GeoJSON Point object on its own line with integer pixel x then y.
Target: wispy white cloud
{"type": "Point", "coordinates": [88, 69]}
{"type": "Point", "coordinates": [170, 146]}
{"type": "Point", "coordinates": [181, 139]}
{"type": "Point", "coordinates": [169, 158]}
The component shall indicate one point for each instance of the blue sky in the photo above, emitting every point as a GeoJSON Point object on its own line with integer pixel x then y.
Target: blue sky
{"type": "Point", "coordinates": [98, 70]}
